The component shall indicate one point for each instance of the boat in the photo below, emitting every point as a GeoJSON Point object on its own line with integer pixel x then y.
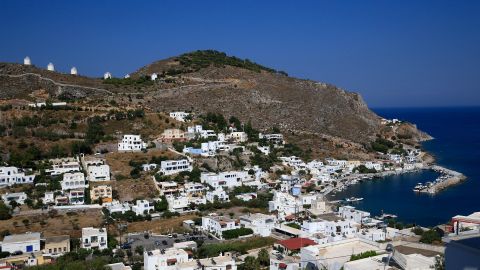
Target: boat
{"type": "Point", "coordinates": [418, 187]}
{"type": "Point", "coordinates": [386, 216]}
{"type": "Point", "coordinates": [353, 199]}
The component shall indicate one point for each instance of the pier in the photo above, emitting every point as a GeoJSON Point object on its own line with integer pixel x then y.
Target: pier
{"type": "Point", "coordinates": [448, 178]}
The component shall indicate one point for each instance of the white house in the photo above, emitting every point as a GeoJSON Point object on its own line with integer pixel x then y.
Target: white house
{"type": "Point", "coordinates": [27, 61]}
{"type": "Point", "coordinates": [217, 194]}
{"type": "Point", "coordinates": [154, 76]}
{"type": "Point", "coordinates": [68, 166]}
{"type": "Point", "coordinates": [169, 167]}
{"type": "Point", "coordinates": [165, 259]}
{"type": "Point", "coordinates": [193, 188]}
{"type": "Point", "coordinates": [349, 212]}
{"type": "Point", "coordinates": [12, 175]}
{"type": "Point", "coordinates": [275, 138]}
{"type": "Point", "coordinates": [98, 173]}
{"type": "Point", "coordinates": [178, 203]}
{"type": "Point", "coordinates": [197, 129]}
{"type": "Point", "coordinates": [73, 71]}
{"type": "Point", "coordinates": [169, 188]}
{"type": "Point", "coordinates": [237, 136]}
{"type": "Point", "coordinates": [261, 224]}
{"type": "Point", "coordinates": [179, 116]}
{"type": "Point", "coordinates": [228, 179]}
{"type": "Point", "coordinates": [27, 242]}
{"type": "Point", "coordinates": [107, 75]}
{"type": "Point", "coordinates": [334, 229]}
{"type": "Point", "coordinates": [218, 224]}
{"type": "Point", "coordinates": [50, 67]}
{"type": "Point", "coordinates": [73, 181]}
{"type": "Point", "coordinates": [131, 143]}
{"type": "Point", "coordinates": [285, 204]}
{"type": "Point", "coordinates": [49, 197]}
{"type": "Point", "coordinates": [143, 207]}
{"type": "Point", "coordinates": [19, 197]}
{"type": "Point", "coordinates": [222, 262]}
{"type": "Point", "coordinates": [374, 165]}
{"type": "Point", "coordinates": [93, 238]}
{"type": "Point", "coordinates": [264, 150]}
{"type": "Point", "coordinates": [294, 162]}
{"type": "Point", "coordinates": [117, 207]}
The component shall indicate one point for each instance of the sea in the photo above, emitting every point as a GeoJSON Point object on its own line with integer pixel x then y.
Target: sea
{"type": "Point", "coordinates": [456, 145]}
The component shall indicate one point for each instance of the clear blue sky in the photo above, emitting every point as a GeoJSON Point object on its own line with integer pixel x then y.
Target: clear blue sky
{"type": "Point", "coordinates": [395, 53]}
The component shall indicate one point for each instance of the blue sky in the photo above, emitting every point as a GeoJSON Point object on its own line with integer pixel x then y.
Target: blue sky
{"type": "Point", "coordinates": [395, 53]}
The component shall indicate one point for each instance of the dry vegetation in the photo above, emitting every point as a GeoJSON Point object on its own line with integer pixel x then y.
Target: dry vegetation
{"type": "Point", "coordinates": [51, 225]}
{"type": "Point", "coordinates": [160, 225]}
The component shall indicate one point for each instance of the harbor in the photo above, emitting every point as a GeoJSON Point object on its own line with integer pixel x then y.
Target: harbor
{"type": "Point", "coordinates": [446, 179]}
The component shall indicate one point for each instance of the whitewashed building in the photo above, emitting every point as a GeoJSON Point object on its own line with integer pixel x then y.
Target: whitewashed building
{"type": "Point", "coordinates": [237, 136]}
{"type": "Point", "coordinates": [218, 224]}
{"type": "Point", "coordinates": [27, 242]}
{"type": "Point", "coordinates": [73, 181]}
{"type": "Point", "coordinates": [50, 67]}
{"type": "Point", "coordinates": [275, 138]}
{"type": "Point", "coordinates": [73, 71]}
{"type": "Point", "coordinates": [154, 76]}
{"type": "Point", "coordinates": [131, 143]}
{"type": "Point", "coordinates": [228, 179]}
{"type": "Point", "coordinates": [166, 259]}
{"type": "Point", "coordinates": [12, 175]}
{"type": "Point", "coordinates": [98, 173]}
{"type": "Point", "coordinates": [68, 166]}
{"type": "Point", "coordinates": [261, 224]}
{"type": "Point", "coordinates": [218, 194]}
{"type": "Point", "coordinates": [143, 207]}
{"type": "Point", "coordinates": [18, 197]}
{"type": "Point", "coordinates": [178, 203]}
{"type": "Point", "coordinates": [117, 207]}
{"type": "Point", "coordinates": [27, 61]}
{"type": "Point", "coordinates": [169, 167]}
{"type": "Point", "coordinates": [107, 75]}
{"type": "Point", "coordinates": [93, 238]}
{"type": "Point", "coordinates": [179, 116]}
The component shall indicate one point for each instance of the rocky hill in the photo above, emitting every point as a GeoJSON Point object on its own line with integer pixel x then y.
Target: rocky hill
{"type": "Point", "coordinates": [210, 81]}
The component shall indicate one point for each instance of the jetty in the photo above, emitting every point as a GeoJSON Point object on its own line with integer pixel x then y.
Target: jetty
{"type": "Point", "coordinates": [448, 178]}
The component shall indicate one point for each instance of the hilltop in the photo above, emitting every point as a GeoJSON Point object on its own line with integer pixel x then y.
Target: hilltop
{"type": "Point", "coordinates": [329, 119]}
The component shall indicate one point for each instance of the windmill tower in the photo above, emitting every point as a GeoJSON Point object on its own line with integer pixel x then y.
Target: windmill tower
{"type": "Point", "coordinates": [73, 71]}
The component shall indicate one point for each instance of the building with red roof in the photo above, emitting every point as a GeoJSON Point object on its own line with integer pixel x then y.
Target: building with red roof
{"type": "Point", "coordinates": [294, 244]}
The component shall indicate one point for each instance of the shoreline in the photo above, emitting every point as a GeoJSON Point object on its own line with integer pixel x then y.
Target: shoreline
{"type": "Point", "coordinates": [453, 179]}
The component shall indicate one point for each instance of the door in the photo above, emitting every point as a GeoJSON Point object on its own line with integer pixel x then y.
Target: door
{"type": "Point", "coordinates": [30, 248]}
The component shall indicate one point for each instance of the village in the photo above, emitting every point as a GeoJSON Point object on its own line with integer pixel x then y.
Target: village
{"type": "Point", "coordinates": [267, 199]}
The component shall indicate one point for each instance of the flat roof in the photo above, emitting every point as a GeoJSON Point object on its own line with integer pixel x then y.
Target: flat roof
{"type": "Point", "coordinates": [329, 217]}
{"type": "Point", "coordinates": [57, 239]}
{"type": "Point", "coordinates": [14, 238]}
{"type": "Point", "coordinates": [406, 250]}
{"type": "Point", "coordinates": [371, 263]}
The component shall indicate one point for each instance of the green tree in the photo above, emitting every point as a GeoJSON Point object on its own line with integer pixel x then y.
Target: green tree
{"type": "Point", "coordinates": [251, 263]}
{"type": "Point", "coordinates": [4, 211]}
{"type": "Point", "coordinates": [263, 257]}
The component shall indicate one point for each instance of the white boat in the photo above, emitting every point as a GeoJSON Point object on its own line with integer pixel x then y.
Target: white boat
{"type": "Point", "coordinates": [353, 199]}
{"type": "Point", "coordinates": [418, 187]}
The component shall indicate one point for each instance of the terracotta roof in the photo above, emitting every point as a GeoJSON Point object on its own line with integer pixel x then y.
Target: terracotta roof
{"type": "Point", "coordinates": [296, 243]}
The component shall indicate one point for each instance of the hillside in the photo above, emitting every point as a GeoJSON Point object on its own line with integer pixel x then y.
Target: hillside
{"type": "Point", "coordinates": [210, 81]}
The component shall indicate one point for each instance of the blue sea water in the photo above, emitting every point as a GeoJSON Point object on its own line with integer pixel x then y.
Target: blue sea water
{"type": "Point", "coordinates": [456, 146]}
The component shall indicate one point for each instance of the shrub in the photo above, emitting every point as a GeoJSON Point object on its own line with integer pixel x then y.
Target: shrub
{"type": "Point", "coordinates": [363, 255]}
{"type": "Point", "coordinates": [235, 233]}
